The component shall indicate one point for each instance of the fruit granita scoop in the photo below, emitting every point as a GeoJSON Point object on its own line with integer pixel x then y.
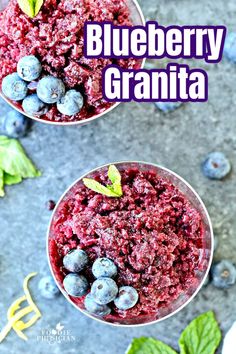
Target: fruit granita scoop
{"type": "Point", "coordinates": [157, 233]}
{"type": "Point", "coordinates": [55, 37]}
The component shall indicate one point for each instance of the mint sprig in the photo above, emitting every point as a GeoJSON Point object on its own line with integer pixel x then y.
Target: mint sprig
{"type": "Point", "coordinates": [201, 336]}
{"type": "Point", "coordinates": [30, 7]}
{"type": "Point", "coordinates": [111, 190]}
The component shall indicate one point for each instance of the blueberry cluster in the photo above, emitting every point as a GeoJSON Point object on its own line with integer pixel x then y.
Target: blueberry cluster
{"type": "Point", "coordinates": [104, 289]}
{"type": "Point", "coordinates": [49, 90]}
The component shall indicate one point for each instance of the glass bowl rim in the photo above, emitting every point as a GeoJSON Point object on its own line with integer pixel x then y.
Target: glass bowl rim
{"type": "Point", "coordinates": [208, 222]}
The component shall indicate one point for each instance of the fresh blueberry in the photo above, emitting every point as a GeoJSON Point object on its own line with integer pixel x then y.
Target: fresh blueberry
{"type": "Point", "coordinates": [71, 103]}
{"type": "Point", "coordinates": [94, 308]}
{"type": "Point", "coordinates": [48, 288]}
{"type": "Point", "coordinates": [14, 88]}
{"type": "Point", "coordinates": [75, 260]}
{"type": "Point", "coordinates": [50, 204]}
{"type": "Point", "coordinates": [34, 106]}
{"type": "Point", "coordinates": [104, 267]}
{"type": "Point", "coordinates": [216, 166]}
{"type": "Point", "coordinates": [14, 124]}
{"type": "Point", "coordinates": [75, 285]}
{"type": "Point", "coordinates": [50, 89]}
{"type": "Point", "coordinates": [104, 290]}
{"type": "Point", "coordinates": [167, 106]}
{"type": "Point", "coordinates": [223, 274]}
{"type": "Point", "coordinates": [127, 298]}
{"type": "Point", "coordinates": [230, 47]}
{"type": "Point", "coordinates": [29, 68]}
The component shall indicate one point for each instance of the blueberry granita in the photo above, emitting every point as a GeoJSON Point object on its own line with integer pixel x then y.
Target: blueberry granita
{"type": "Point", "coordinates": [51, 45]}
{"type": "Point", "coordinates": [151, 233]}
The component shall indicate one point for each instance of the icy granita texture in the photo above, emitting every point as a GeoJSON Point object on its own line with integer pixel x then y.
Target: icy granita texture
{"type": "Point", "coordinates": [152, 233]}
{"type": "Point", "coordinates": [55, 37]}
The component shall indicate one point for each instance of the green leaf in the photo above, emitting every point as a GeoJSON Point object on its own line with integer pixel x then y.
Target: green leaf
{"type": "Point", "coordinates": [30, 7]}
{"type": "Point", "coordinates": [9, 179]}
{"type": "Point", "coordinates": [145, 345]}
{"type": "Point", "coordinates": [14, 161]}
{"type": "Point", "coordinates": [201, 336]}
{"type": "Point", "coordinates": [98, 187]}
{"type": "Point", "coordinates": [115, 178]}
{"type": "Point", "coordinates": [113, 174]}
{"type": "Point", "coordinates": [114, 190]}
{"type": "Point", "coordinates": [1, 184]}
{"type": "Point", "coordinates": [38, 5]}
{"type": "Point", "coordinates": [27, 6]}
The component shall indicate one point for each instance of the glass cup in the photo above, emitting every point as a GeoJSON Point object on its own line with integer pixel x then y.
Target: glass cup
{"type": "Point", "coordinates": [137, 19]}
{"type": "Point", "coordinates": [205, 256]}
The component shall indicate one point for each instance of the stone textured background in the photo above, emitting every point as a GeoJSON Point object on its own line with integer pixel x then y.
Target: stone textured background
{"type": "Point", "coordinates": [179, 141]}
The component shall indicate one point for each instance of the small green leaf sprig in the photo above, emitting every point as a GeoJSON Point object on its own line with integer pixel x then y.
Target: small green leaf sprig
{"type": "Point", "coordinates": [201, 336]}
{"type": "Point", "coordinates": [30, 7]}
{"type": "Point", "coordinates": [111, 190]}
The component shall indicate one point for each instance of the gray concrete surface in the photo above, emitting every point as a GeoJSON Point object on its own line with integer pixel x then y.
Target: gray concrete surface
{"type": "Point", "coordinates": [179, 141]}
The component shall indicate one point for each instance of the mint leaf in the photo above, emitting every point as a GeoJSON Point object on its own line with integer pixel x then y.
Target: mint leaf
{"type": "Point", "coordinates": [113, 174]}
{"type": "Point", "coordinates": [30, 7]}
{"type": "Point", "coordinates": [37, 6]}
{"type": "Point", "coordinates": [9, 179]}
{"type": "Point", "coordinates": [1, 184]}
{"type": "Point", "coordinates": [115, 178]}
{"type": "Point", "coordinates": [114, 190]}
{"type": "Point", "coordinates": [201, 336]}
{"type": "Point", "coordinates": [27, 6]}
{"type": "Point", "coordinates": [145, 345]}
{"type": "Point", "coordinates": [14, 161]}
{"type": "Point", "coordinates": [98, 187]}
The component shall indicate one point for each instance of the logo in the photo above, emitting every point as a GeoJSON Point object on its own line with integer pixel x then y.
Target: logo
{"type": "Point", "coordinates": [59, 334]}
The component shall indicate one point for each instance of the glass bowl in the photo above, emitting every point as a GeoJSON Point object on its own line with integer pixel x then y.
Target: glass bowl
{"type": "Point", "coordinates": [206, 253]}
{"type": "Point", "coordinates": [137, 19]}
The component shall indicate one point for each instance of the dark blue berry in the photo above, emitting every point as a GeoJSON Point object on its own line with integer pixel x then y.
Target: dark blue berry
{"type": "Point", "coordinates": [29, 68]}
{"type": "Point", "coordinates": [94, 308]}
{"type": "Point", "coordinates": [50, 204]}
{"type": "Point", "coordinates": [75, 260]}
{"type": "Point", "coordinates": [104, 267]}
{"type": "Point", "coordinates": [216, 166]}
{"type": "Point", "coordinates": [223, 274]}
{"type": "Point", "coordinates": [48, 287]}
{"type": "Point", "coordinates": [34, 106]}
{"type": "Point", "coordinates": [15, 124]}
{"type": "Point", "coordinates": [127, 298]}
{"type": "Point", "coordinates": [14, 88]}
{"type": "Point", "coordinates": [71, 103]}
{"type": "Point", "coordinates": [50, 89]}
{"type": "Point", "coordinates": [167, 106]}
{"type": "Point", "coordinates": [230, 47]}
{"type": "Point", "coordinates": [75, 285]}
{"type": "Point", "coordinates": [104, 290]}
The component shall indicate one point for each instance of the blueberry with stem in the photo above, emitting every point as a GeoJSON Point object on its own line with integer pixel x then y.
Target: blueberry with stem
{"type": "Point", "coordinates": [50, 89]}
